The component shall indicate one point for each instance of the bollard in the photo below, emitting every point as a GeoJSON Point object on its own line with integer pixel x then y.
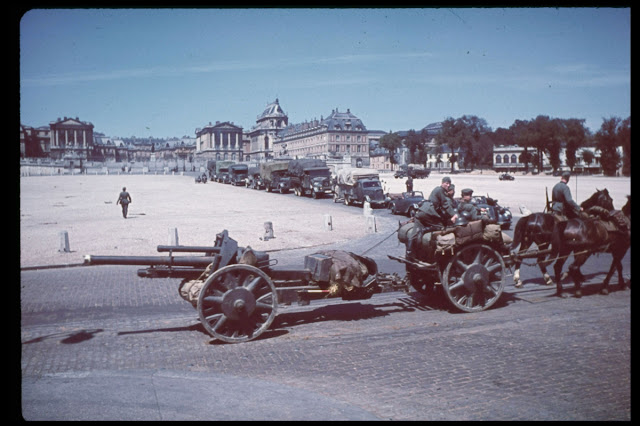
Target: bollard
{"type": "Point", "coordinates": [268, 231]}
{"type": "Point", "coordinates": [64, 242]}
{"type": "Point", "coordinates": [366, 208]}
{"type": "Point", "coordinates": [173, 236]}
{"type": "Point", "coordinates": [328, 225]}
{"type": "Point", "coordinates": [371, 225]}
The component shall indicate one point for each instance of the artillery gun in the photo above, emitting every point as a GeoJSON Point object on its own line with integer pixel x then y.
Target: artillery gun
{"type": "Point", "coordinates": [236, 290]}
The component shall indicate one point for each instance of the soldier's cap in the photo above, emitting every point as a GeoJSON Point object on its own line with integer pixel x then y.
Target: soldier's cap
{"type": "Point", "coordinates": [467, 191]}
{"type": "Point", "coordinates": [566, 175]}
{"type": "Point", "coordinates": [452, 187]}
{"type": "Point", "coordinates": [446, 179]}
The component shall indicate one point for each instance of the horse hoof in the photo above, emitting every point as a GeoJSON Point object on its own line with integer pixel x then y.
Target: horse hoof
{"type": "Point", "coordinates": [519, 284]}
{"type": "Point", "coordinates": [604, 291]}
{"type": "Point", "coordinates": [578, 294]}
{"type": "Point", "coordinates": [562, 295]}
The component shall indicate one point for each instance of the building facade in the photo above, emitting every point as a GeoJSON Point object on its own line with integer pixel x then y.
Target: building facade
{"type": "Point", "coordinates": [263, 135]}
{"type": "Point", "coordinates": [70, 138]}
{"type": "Point", "coordinates": [35, 141]}
{"type": "Point", "coordinates": [341, 137]}
{"type": "Point", "coordinates": [222, 141]}
{"type": "Point", "coordinates": [507, 159]}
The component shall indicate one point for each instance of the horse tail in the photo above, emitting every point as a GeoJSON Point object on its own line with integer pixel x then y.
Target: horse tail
{"type": "Point", "coordinates": [518, 232]}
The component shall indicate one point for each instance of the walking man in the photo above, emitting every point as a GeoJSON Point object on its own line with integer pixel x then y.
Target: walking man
{"type": "Point", "coordinates": [124, 199]}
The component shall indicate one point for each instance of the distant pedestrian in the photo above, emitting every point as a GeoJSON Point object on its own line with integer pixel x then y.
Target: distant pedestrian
{"type": "Point", "coordinates": [409, 184]}
{"type": "Point", "coordinates": [124, 199]}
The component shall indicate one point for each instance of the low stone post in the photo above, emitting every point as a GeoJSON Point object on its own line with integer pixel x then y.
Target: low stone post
{"type": "Point", "coordinates": [328, 224]}
{"type": "Point", "coordinates": [173, 236]}
{"type": "Point", "coordinates": [64, 242]}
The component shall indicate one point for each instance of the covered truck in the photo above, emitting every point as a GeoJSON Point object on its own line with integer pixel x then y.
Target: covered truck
{"type": "Point", "coordinates": [310, 177]}
{"type": "Point", "coordinates": [222, 171]}
{"type": "Point", "coordinates": [254, 180]}
{"type": "Point", "coordinates": [275, 176]}
{"type": "Point", "coordinates": [238, 174]}
{"type": "Point", "coordinates": [355, 186]}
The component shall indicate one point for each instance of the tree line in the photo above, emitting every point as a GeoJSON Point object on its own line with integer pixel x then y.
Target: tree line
{"type": "Point", "coordinates": [542, 135]}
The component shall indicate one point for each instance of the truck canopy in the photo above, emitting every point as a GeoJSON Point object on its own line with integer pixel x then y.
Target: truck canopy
{"type": "Point", "coordinates": [223, 165]}
{"type": "Point", "coordinates": [268, 169]}
{"type": "Point", "coordinates": [350, 175]}
{"type": "Point", "coordinates": [238, 168]}
{"type": "Point", "coordinates": [297, 167]}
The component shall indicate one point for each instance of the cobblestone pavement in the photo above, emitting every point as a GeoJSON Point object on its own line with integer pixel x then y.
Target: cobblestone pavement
{"type": "Point", "coordinates": [99, 343]}
{"type": "Point", "coordinates": [393, 357]}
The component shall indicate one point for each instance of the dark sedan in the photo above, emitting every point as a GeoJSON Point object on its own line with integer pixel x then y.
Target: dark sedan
{"type": "Point", "coordinates": [407, 203]}
{"type": "Point", "coordinates": [498, 214]}
{"type": "Point", "coordinates": [506, 176]}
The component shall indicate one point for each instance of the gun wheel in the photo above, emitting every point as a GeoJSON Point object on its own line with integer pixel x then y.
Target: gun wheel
{"type": "Point", "coordinates": [237, 303]}
{"type": "Point", "coordinates": [474, 278]}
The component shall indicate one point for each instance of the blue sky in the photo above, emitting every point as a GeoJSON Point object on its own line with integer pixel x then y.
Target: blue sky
{"type": "Point", "coordinates": [166, 72]}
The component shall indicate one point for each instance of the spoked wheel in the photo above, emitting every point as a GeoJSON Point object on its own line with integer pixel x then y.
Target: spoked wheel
{"type": "Point", "coordinates": [474, 278]}
{"type": "Point", "coordinates": [237, 303]}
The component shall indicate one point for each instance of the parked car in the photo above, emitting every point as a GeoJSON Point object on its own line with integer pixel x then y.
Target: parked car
{"type": "Point", "coordinates": [500, 215]}
{"type": "Point", "coordinates": [407, 204]}
{"type": "Point", "coordinates": [506, 176]}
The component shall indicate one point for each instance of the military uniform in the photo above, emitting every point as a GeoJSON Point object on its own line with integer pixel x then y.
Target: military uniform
{"type": "Point", "coordinates": [124, 199]}
{"type": "Point", "coordinates": [437, 210]}
{"type": "Point", "coordinates": [468, 209]}
{"type": "Point", "coordinates": [561, 201]}
{"type": "Point", "coordinates": [409, 184]}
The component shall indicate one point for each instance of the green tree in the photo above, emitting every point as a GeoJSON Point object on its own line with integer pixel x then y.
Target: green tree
{"type": "Point", "coordinates": [575, 135]}
{"type": "Point", "coordinates": [607, 141]}
{"type": "Point", "coordinates": [453, 159]}
{"type": "Point", "coordinates": [624, 133]}
{"type": "Point", "coordinates": [391, 142]}
{"type": "Point", "coordinates": [415, 144]}
{"type": "Point", "coordinates": [526, 158]}
{"type": "Point", "coordinates": [588, 156]}
{"type": "Point", "coordinates": [543, 134]}
{"type": "Point", "coordinates": [463, 135]}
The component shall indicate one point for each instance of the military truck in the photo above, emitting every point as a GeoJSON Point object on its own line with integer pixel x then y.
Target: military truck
{"type": "Point", "coordinates": [254, 180]}
{"type": "Point", "coordinates": [238, 174]}
{"type": "Point", "coordinates": [310, 177]}
{"type": "Point", "coordinates": [275, 176]}
{"type": "Point", "coordinates": [355, 186]}
{"type": "Point", "coordinates": [418, 171]}
{"type": "Point", "coordinates": [222, 171]}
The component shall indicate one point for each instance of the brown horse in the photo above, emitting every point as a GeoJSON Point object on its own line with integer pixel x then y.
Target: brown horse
{"type": "Point", "coordinates": [586, 236]}
{"type": "Point", "coordinates": [536, 228]}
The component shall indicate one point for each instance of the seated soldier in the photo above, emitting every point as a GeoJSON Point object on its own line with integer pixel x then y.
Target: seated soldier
{"type": "Point", "coordinates": [472, 211]}
{"type": "Point", "coordinates": [437, 211]}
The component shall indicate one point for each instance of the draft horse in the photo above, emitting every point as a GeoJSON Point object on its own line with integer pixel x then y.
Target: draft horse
{"type": "Point", "coordinates": [610, 232]}
{"type": "Point", "coordinates": [536, 228]}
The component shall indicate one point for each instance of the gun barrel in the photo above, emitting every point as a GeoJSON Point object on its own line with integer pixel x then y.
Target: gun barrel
{"type": "Point", "coordinates": [190, 249]}
{"type": "Point", "coordinates": [194, 261]}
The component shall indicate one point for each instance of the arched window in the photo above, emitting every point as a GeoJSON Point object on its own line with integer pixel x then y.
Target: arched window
{"type": "Point", "coordinates": [506, 159]}
{"type": "Point", "coordinates": [498, 159]}
{"type": "Point", "coordinates": [266, 143]}
{"type": "Point", "coordinates": [514, 159]}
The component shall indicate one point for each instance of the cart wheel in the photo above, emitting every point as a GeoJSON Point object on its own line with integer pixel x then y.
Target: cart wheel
{"type": "Point", "coordinates": [237, 303]}
{"type": "Point", "coordinates": [474, 278]}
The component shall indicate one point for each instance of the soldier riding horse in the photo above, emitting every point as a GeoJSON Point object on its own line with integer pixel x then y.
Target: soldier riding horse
{"type": "Point", "coordinates": [609, 232]}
